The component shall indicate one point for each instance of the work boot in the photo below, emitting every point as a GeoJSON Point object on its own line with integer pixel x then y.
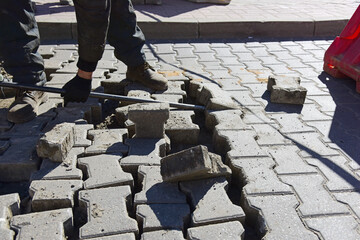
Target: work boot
{"type": "Point", "coordinates": [147, 76]}
{"type": "Point", "coordinates": [26, 105]}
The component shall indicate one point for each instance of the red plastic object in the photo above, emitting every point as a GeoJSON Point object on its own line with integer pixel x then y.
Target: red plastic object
{"type": "Point", "coordinates": [343, 56]}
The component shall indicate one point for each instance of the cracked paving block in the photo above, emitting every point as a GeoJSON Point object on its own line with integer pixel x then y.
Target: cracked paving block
{"type": "Point", "coordinates": [237, 143]}
{"type": "Point", "coordinates": [56, 143]}
{"type": "Point", "coordinates": [106, 141]}
{"type": "Point", "coordinates": [9, 206]}
{"type": "Point", "coordinates": [143, 151]}
{"type": "Point", "coordinates": [80, 135]}
{"type": "Point", "coordinates": [221, 231]}
{"type": "Point", "coordinates": [53, 194]}
{"type": "Point", "coordinates": [210, 202]}
{"type": "Point", "coordinates": [269, 135]}
{"type": "Point", "coordinates": [149, 119]}
{"type": "Point", "coordinates": [20, 160]}
{"type": "Point", "coordinates": [257, 176]}
{"type": "Point", "coordinates": [225, 120]}
{"type": "Point", "coordinates": [54, 224]}
{"type": "Point", "coordinates": [154, 190]}
{"type": "Point", "coordinates": [214, 98]}
{"type": "Point", "coordinates": [163, 235]}
{"type": "Point", "coordinates": [351, 199]}
{"type": "Point", "coordinates": [288, 160]}
{"type": "Point", "coordinates": [180, 128]}
{"type": "Point", "coordinates": [168, 98]}
{"type": "Point", "coordinates": [272, 214]}
{"type": "Point", "coordinates": [155, 217]}
{"type": "Point", "coordinates": [335, 227]}
{"type": "Point", "coordinates": [106, 212]}
{"type": "Point", "coordinates": [191, 164]}
{"type": "Point", "coordinates": [50, 170]}
{"type": "Point", "coordinates": [104, 171]}
{"type": "Point", "coordinates": [315, 199]}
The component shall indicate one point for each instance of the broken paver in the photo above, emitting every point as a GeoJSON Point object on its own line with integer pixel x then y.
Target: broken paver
{"type": "Point", "coordinates": [221, 231]}
{"type": "Point", "coordinates": [56, 143]}
{"type": "Point", "coordinates": [180, 127]}
{"type": "Point", "coordinates": [106, 216]}
{"type": "Point", "coordinates": [9, 206]}
{"type": "Point", "coordinates": [211, 202]}
{"type": "Point", "coordinates": [53, 194]}
{"type": "Point", "coordinates": [80, 135]}
{"type": "Point", "coordinates": [106, 141]}
{"type": "Point", "coordinates": [55, 224]}
{"type": "Point", "coordinates": [286, 90]}
{"type": "Point", "coordinates": [191, 164]}
{"type": "Point", "coordinates": [154, 190]}
{"type": "Point", "coordinates": [104, 171]}
{"type": "Point", "coordinates": [163, 235]}
{"type": "Point", "coordinates": [162, 216]}
{"type": "Point", "coordinates": [149, 119]}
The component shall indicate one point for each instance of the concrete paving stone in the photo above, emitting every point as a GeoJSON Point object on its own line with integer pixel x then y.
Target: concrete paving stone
{"type": "Point", "coordinates": [18, 163]}
{"type": "Point", "coordinates": [59, 79]}
{"type": "Point", "coordinates": [52, 65]}
{"type": "Point", "coordinates": [168, 98]}
{"type": "Point", "coordinates": [283, 55]}
{"type": "Point", "coordinates": [326, 103]}
{"type": "Point", "coordinates": [109, 54]}
{"type": "Point", "coordinates": [269, 135]}
{"type": "Point", "coordinates": [309, 58]}
{"type": "Point", "coordinates": [244, 98]}
{"type": "Point", "coordinates": [115, 83]}
{"type": "Point", "coordinates": [46, 51]}
{"type": "Point", "coordinates": [221, 231]}
{"type": "Point", "coordinates": [136, 94]}
{"type": "Point", "coordinates": [9, 206]}
{"type": "Point", "coordinates": [254, 65]}
{"type": "Point", "coordinates": [174, 75]}
{"type": "Point", "coordinates": [5, 125]}
{"type": "Point", "coordinates": [80, 135]}
{"type": "Point", "coordinates": [154, 190]}
{"type": "Point", "coordinates": [66, 46]}
{"type": "Point", "coordinates": [308, 45]}
{"type": "Point", "coordinates": [230, 61]}
{"type": "Point", "coordinates": [260, 51]}
{"type": "Point", "coordinates": [315, 199]}
{"type": "Point", "coordinates": [237, 143]}
{"type": "Point", "coordinates": [210, 202]}
{"type": "Point", "coordinates": [215, 98]}
{"type": "Point", "coordinates": [155, 217]}
{"type": "Point", "coordinates": [163, 235]}
{"type": "Point", "coordinates": [50, 170]}
{"type": "Point", "coordinates": [125, 236]}
{"type": "Point", "coordinates": [238, 47]}
{"type": "Point", "coordinates": [280, 69]}
{"type": "Point", "coordinates": [246, 57]}
{"type": "Point", "coordinates": [201, 47]}
{"type": "Point", "coordinates": [121, 114]}
{"type": "Point", "coordinates": [256, 115]}
{"type": "Point", "coordinates": [164, 48]}
{"type": "Point", "coordinates": [104, 171]}
{"type": "Point", "coordinates": [143, 151]}
{"type": "Point", "coordinates": [330, 130]}
{"type": "Point", "coordinates": [167, 58]}
{"type": "Point", "coordinates": [205, 56]}
{"type": "Point", "coordinates": [106, 216]}
{"type": "Point", "coordinates": [225, 120]}
{"type": "Point", "coordinates": [174, 88]}
{"type": "Point", "coordinates": [307, 72]}
{"type": "Point", "coordinates": [231, 84]}
{"type": "Point", "coordinates": [106, 141]}
{"type": "Point", "coordinates": [336, 170]}
{"type": "Point", "coordinates": [64, 54]}
{"type": "Point", "coordinates": [258, 177]}
{"type": "Point", "coordinates": [92, 108]}
{"type": "Point", "coordinates": [54, 145]}
{"type": "Point", "coordinates": [290, 123]}
{"type": "Point", "coordinates": [335, 227]}
{"type": "Point", "coordinates": [296, 63]}
{"type": "Point", "coordinates": [311, 112]}
{"type": "Point", "coordinates": [351, 199]}
{"type": "Point", "coordinates": [54, 224]}
{"type": "Point", "coordinates": [318, 54]}
{"type": "Point", "coordinates": [195, 86]}
{"type": "Point", "coordinates": [107, 64]}
{"type": "Point", "coordinates": [257, 89]}
{"type": "Point", "coordinates": [155, 116]}
{"type": "Point", "coordinates": [180, 127]}
{"type": "Point", "coordinates": [311, 145]}
{"type": "Point", "coordinates": [222, 51]}
{"type": "Point", "coordinates": [268, 60]}
{"type": "Point", "coordinates": [31, 128]}
{"type": "Point", "coordinates": [53, 194]}
{"type": "Point", "coordinates": [288, 160]}
{"type": "Point", "coordinates": [295, 50]}
{"type": "Point", "coordinates": [219, 73]}
{"type": "Point", "coordinates": [272, 214]}
{"type": "Point", "coordinates": [185, 53]}
{"type": "Point", "coordinates": [133, 86]}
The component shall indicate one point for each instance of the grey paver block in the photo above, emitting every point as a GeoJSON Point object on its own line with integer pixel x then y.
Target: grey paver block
{"type": "Point", "coordinates": [310, 112]}
{"type": "Point", "coordinates": [351, 199]}
{"type": "Point", "coordinates": [168, 98]}
{"type": "Point", "coordinates": [106, 141]}
{"type": "Point", "coordinates": [162, 216]}
{"type": "Point", "coordinates": [273, 214]}
{"type": "Point", "coordinates": [257, 176]}
{"type": "Point", "coordinates": [125, 236]}
{"type": "Point", "coordinates": [18, 163]}
{"type": "Point", "coordinates": [80, 135]}
{"type": "Point", "coordinates": [50, 170]}
{"type": "Point", "coordinates": [286, 90]}
{"type": "Point", "coordinates": [269, 135]}
{"type": "Point", "coordinates": [154, 190]}
{"type": "Point", "coordinates": [288, 160]}
{"type": "Point", "coordinates": [106, 216]}
{"type": "Point", "coordinates": [149, 119]}
{"type": "Point", "coordinates": [134, 86]}
{"type": "Point", "coordinates": [143, 151]}
{"type": "Point", "coordinates": [215, 98]}
{"type": "Point", "coordinates": [53, 194]}
{"type": "Point", "coordinates": [225, 120]}
{"type": "Point", "coordinates": [121, 114]}
{"type": "Point", "coordinates": [56, 143]}
{"type": "Point", "coordinates": [174, 88]}
{"type": "Point", "coordinates": [9, 206]}
{"type": "Point", "coordinates": [104, 171]}
{"type": "Point", "coordinates": [163, 235]}
{"type": "Point", "coordinates": [54, 224]}
{"type": "Point", "coordinates": [335, 227]}
{"type": "Point", "coordinates": [115, 83]}
{"type": "Point", "coordinates": [310, 185]}
{"type": "Point", "coordinates": [290, 123]}
{"type": "Point", "coordinates": [256, 115]}
{"type": "Point", "coordinates": [211, 202]}
{"type": "Point", "coordinates": [221, 231]}
{"type": "Point", "coordinates": [180, 127]}
{"type": "Point", "coordinates": [191, 164]}
{"type": "Point", "coordinates": [244, 98]}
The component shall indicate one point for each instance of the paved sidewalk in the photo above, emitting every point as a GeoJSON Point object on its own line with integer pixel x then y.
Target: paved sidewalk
{"type": "Point", "coordinates": [180, 19]}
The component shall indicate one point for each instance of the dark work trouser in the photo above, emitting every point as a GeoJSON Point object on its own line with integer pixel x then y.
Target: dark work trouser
{"type": "Point", "coordinates": [19, 42]}
{"type": "Point", "coordinates": [111, 20]}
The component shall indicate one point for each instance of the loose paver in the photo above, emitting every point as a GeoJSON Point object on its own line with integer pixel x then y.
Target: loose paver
{"type": "Point", "coordinates": [286, 90]}
{"type": "Point", "coordinates": [180, 127]}
{"type": "Point", "coordinates": [163, 235]}
{"type": "Point", "coordinates": [221, 231]}
{"type": "Point", "coordinates": [225, 120]}
{"type": "Point", "coordinates": [210, 201]}
{"type": "Point", "coordinates": [106, 216]}
{"type": "Point", "coordinates": [107, 141]}
{"type": "Point", "coordinates": [80, 135]}
{"type": "Point", "coordinates": [9, 206]}
{"type": "Point", "coordinates": [104, 171]}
